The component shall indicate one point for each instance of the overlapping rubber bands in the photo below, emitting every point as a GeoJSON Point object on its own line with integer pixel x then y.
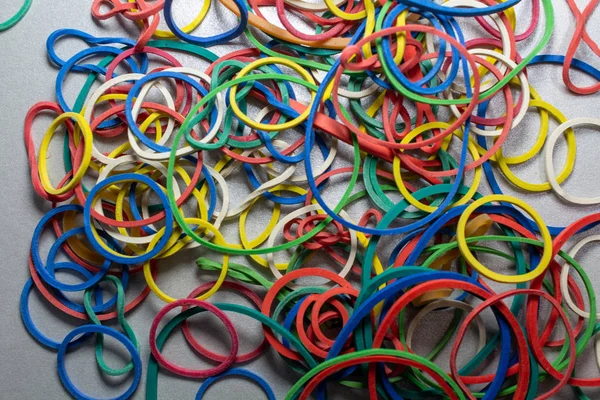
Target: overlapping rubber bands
{"type": "Point", "coordinates": [378, 124]}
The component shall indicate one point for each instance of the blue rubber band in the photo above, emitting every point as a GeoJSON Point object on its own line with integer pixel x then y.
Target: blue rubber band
{"type": "Point", "coordinates": [220, 38]}
{"type": "Point", "coordinates": [91, 40]}
{"type": "Point", "coordinates": [560, 60]}
{"type": "Point", "coordinates": [168, 219]}
{"type": "Point", "coordinates": [42, 270]}
{"type": "Point", "coordinates": [70, 64]}
{"type": "Point", "coordinates": [417, 87]}
{"type": "Point", "coordinates": [391, 291]}
{"type": "Point", "coordinates": [428, 5]}
{"type": "Point", "coordinates": [50, 279]}
{"type": "Point", "coordinates": [30, 325]}
{"type": "Point", "coordinates": [237, 372]}
{"type": "Point", "coordinates": [101, 305]}
{"type": "Point", "coordinates": [62, 371]}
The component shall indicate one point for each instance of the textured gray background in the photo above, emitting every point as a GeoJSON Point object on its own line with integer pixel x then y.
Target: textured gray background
{"type": "Point", "coordinates": [28, 370]}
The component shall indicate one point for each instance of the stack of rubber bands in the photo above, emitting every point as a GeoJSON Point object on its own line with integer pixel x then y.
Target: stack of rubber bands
{"type": "Point", "coordinates": [388, 101]}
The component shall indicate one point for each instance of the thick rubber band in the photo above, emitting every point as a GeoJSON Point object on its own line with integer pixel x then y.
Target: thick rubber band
{"type": "Point", "coordinates": [483, 270]}
{"type": "Point", "coordinates": [236, 372]}
{"type": "Point", "coordinates": [12, 21]}
{"type": "Point", "coordinates": [62, 372]}
{"type": "Point", "coordinates": [186, 371]}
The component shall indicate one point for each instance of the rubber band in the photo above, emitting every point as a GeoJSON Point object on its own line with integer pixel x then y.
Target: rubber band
{"type": "Point", "coordinates": [563, 316]}
{"type": "Point", "coordinates": [564, 274]}
{"type": "Point", "coordinates": [242, 12]}
{"type": "Point", "coordinates": [132, 109]}
{"type": "Point", "coordinates": [579, 34]}
{"type": "Point", "coordinates": [270, 242]}
{"type": "Point", "coordinates": [571, 152]}
{"type": "Point", "coordinates": [30, 326]}
{"type": "Point", "coordinates": [160, 236]}
{"type": "Point", "coordinates": [51, 260]}
{"type": "Point", "coordinates": [445, 303]}
{"type": "Point", "coordinates": [549, 163]}
{"type": "Point", "coordinates": [437, 284]}
{"type": "Point", "coordinates": [12, 21]}
{"type": "Point", "coordinates": [85, 158]}
{"type": "Point", "coordinates": [214, 356]}
{"type": "Point", "coordinates": [30, 147]}
{"type": "Point", "coordinates": [91, 40]}
{"type": "Point", "coordinates": [71, 63]}
{"type": "Point", "coordinates": [92, 233]}
{"type": "Point", "coordinates": [186, 371]}
{"type": "Point", "coordinates": [128, 10]}
{"type": "Point", "coordinates": [358, 357]}
{"type": "Point", "coordinates": [236, 372]}
{"type": "Point", "coordinates": [99, 329]}
{"type": "Point", "coordinates": [466, 253]}
{"type": "Point", "coordinates": [266, 127]}
{"type": "Point", "coordinates": [120, 296]}
{"type": "Point", "coordinates": [52, 299]}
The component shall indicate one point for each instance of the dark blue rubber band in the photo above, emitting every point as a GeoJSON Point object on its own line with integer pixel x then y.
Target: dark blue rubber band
{"type": "Point", "coordinates": [237, 372]}
{"type": "Point", "coordinates": [62, 371]}
{"type": "Point", "coordinates": [32, 328]}
{"type": "Point", "coordinates": [168, 219]}
{"type": "Point", "coordinates": [220, 38]}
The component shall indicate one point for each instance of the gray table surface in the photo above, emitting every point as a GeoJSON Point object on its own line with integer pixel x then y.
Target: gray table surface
{"type": "Point", "coordinates": [26, 77]}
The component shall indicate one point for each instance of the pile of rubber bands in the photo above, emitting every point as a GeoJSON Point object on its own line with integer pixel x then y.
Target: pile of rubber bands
{"type": "Point", "coordinates": [387, 100]}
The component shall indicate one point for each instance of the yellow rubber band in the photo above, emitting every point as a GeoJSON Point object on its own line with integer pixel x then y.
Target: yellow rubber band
{"type": "Point", "coordinates": [571, 152]}
{"type": "Point", "coordinates": [271, 127]}
{"type": "Point", "coordinates": [338, 12]}
{"type": "Point", "coordinates": [219, 239]}
{"type": "Point", "coordinates": [398, 171]}
{"type": "Point", "coordinates": [84, 129]}
{"type": "Point", "coordinates": [482, 269]}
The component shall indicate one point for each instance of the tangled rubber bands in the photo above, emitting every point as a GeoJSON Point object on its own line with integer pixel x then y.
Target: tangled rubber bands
{"type": "Point", "coordinates": [367, 135]}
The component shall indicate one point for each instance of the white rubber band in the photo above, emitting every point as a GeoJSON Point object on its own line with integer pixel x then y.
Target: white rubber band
{"type": "Point", "coordinates": [549, 163]}
{"type": "Point", "coordinates": [564, 277]}
{"type": "Point", "coordinates": [90, 104]}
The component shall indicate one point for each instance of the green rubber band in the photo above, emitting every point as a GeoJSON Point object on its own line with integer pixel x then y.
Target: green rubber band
{"type": "Point", "coordinates": [87, 302]}
{"type": "Point", "coordinates": [294, 391]}
{"type": "Point", "coordinates": [12, 21]}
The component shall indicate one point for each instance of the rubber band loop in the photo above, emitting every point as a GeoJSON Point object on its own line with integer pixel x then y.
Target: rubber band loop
{"type": "Point", "coordinates": [99, 329]}
{"type": "Point", "coordinates": [12, 21]}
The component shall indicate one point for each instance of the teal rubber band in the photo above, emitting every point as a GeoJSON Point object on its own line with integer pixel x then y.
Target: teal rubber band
{"type": "Point", "coordinates": [12, 21]}
{"type": "Point", "coordinates": [87, 301]}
